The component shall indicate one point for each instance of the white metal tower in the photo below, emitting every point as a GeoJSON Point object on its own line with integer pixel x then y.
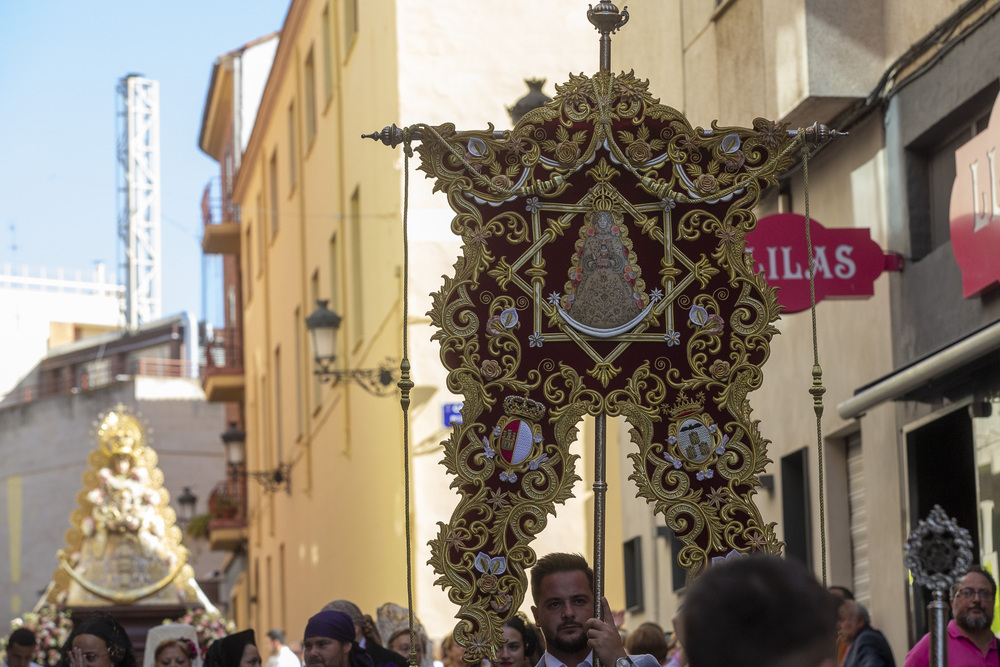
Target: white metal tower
{"type": "Point", "coordinates": [139, 229]}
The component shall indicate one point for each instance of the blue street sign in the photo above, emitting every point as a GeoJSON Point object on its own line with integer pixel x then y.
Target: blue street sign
{"type": "Point", "coordinates": [452, 413]}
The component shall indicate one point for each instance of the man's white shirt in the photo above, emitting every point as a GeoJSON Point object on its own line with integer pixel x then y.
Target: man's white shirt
{"type": "Point", "coordinates": [645, 660]}
{"type": "Point", "coordinates": [285, 657]}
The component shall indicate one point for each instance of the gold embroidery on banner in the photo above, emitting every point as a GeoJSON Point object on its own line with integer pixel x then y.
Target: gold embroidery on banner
{"type": "Point", "coordinates": [655, 212]}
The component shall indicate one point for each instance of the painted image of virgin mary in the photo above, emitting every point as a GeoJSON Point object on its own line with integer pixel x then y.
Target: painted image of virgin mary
{"type": "Point", "coordinates": [601, 292]}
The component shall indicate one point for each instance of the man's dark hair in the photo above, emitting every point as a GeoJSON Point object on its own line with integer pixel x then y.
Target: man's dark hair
{"type": "Point", "coordinates": [957, 586]}
{"type": "Point", "coordinates": [774, 612]}
{"type": "Point", "coordinates": [276, 634]}
{"type": "Point", "coordinates": [842, 592]}
{"type": "Point", "coordinates": [22, 637]}
{"type": "Point", "coordinates": [557, 562]}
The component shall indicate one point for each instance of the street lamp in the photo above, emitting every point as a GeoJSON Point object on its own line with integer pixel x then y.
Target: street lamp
{"type": "Point", "coordinates": [323, 324]}
{"type": "Point", "coordinates": [234, 440]}
{"type": "Point", "coordinates": [186, 502]}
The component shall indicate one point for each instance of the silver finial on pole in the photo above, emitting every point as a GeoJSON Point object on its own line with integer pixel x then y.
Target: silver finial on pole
{"type": "Point", "coordinates": [608, 20]}
{"type": "Point", "coordinates": [938, 553]}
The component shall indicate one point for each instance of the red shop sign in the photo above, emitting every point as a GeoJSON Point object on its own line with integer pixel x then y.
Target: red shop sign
{"type": "Point", "coordinates": [847, 261]}
{"type": "Point", "coordinates": [974, 213]}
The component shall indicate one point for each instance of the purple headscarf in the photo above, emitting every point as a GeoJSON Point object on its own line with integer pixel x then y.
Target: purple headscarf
{"type": "Point", "coordinates": [331, 624]}
{"type": "Point", "coordinates": [339, 626]}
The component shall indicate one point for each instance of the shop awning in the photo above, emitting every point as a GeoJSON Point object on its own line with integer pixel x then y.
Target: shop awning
{"type": "Point", "coordinates": [922, 371]}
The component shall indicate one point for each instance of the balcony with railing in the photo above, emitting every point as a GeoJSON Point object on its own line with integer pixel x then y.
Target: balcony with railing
{"type": "Point", "coordinates": [227, 514]}
{"type": "Point", "coordinates": [222, 373]}
{"type": "Point", "coordinates": [74, 379]}
{"type": "Point", "coordinates": [221, 221]}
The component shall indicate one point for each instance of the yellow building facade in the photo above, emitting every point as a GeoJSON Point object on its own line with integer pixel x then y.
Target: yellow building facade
{"type": "Point", "coordinates": [318, 217]}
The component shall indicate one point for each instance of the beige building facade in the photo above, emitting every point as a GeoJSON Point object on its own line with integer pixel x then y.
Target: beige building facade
{"type": "Point", "coordinates": [908, 423]}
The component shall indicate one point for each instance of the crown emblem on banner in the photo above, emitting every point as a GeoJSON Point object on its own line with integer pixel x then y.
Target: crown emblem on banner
{"type": "Point", "coordinates": [685, 407]}
{"type": "Point", "coordinates": [519, 406]}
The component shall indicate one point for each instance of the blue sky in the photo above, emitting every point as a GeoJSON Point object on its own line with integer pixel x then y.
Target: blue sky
{"type": "Point", "coordinates": [59, 64]}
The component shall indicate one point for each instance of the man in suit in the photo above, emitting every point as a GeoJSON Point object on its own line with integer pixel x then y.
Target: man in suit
{"type": "Point", "coordinates": [562, 587]}
{"type": "Point", "coordinates": [868, 646]}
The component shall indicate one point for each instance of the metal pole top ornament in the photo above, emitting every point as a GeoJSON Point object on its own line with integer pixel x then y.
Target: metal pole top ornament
{"type": "Point", "coordinates": [603, 272]}
{"type": "Point", "coordinates": [938, 551]}
{"type": "Point", "coordinates": [938, 554]}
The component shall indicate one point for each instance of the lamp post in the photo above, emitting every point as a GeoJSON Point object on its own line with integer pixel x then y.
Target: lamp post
{"type": "Point", "coordinates": [186, 503]}
{"type": "Point", "coordinates": [234, 440]}
{"type": "Point", "coordinates": [323, 324]}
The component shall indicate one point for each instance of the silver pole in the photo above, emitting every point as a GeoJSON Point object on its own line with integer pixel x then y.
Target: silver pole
{"type": "Point", "coordinates": [937, 612]}
{"type": "Point", "coordinates": [600, 494]}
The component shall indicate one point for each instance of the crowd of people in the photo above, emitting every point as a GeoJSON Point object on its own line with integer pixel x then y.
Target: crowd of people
{"type": "Point", "coordinates": [770, 611]}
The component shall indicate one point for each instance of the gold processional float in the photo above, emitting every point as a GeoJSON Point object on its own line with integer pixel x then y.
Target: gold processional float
{"type": "Point", "coordinates": [603, 272]}
{"type": "Point", "coordinates": [123, 547]}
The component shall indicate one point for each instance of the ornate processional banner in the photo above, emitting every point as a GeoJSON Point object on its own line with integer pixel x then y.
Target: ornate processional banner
{"type": "Point", "coordinates": [603, 272]}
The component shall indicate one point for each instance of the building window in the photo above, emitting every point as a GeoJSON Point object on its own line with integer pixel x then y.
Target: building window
{"type": "Point", "coordinates": [292, 153]}
{"type": "Point", "coordinates": [678, 575]}
{"type": "Point", "coordinates": [259, 249]}
{"type": "Point", "coordinates": [327, 55]}
{"type": "Point", "coordinates": [309, 72]}
{"type": "Point", "coordinates": [263, 452]}
{"type": "Point", "coordinates": [350, 22]}
{"type": "Point", "coordinates": [795, 506]}
{"type": "Point", "coordinates": [944, 474]}
{"type": "Point", "coordinates": [858, 518]}
{"type": "Point", "coordinates": [357, 261]}
{"type": "Point", "coordinates": [930, 163]}
{"type": "Point", "coordinates": [273, 176]}
{"type": "Point", "coordinates": [633, 574]}
{"type": "Point", "coordinates": [248, 274]}
{"type": "Point", "coordinates": [300, 405]}
{"type": "Point", "coordinates": [334, 273]}
{"type": "Point", "coordinates": [278, 406]}
{"type": "Point", "coordinates": [314, 296]}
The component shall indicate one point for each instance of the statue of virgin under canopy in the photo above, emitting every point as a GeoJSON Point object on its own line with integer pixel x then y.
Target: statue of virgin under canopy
{"type": "Point", "coordinates": [123, 546]}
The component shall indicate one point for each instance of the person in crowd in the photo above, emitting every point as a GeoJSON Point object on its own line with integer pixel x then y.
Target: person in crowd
{"type": "Point", "coordinates": [970, 640]}
{"type": "Point", "coordinates": [297, 650]}
{"type": "Point", "coordinates": [366, 635]}
{"type": "Point", "coordinates": [675, 653]}
{"type": "Point", "coordinates": [98, 640]}
{"type": "Point", "coordinates": [329, 641]}
{"type": "Point", "coordinates": [21, 646]}
{"type": "Point", "coordinates": [562, 587]}
{"type": "Point", "coordinates": [174, 652]}
{"type": "Point", "coordinates": [281, 654]}
{"type": "Point", "coordinates": [171, 645]}
{"type": "Point", "coordinates": [451, 652]}
{"type": "Point", "coordinates": [758, 610]}
{"type": "Point", "coordinates": [394, 628]}
{"type": "Point", "coordinates": [521, 646]}
{"type": "Point", "coordinates": [868, 646]}
{"type": "Point", "coordinates": [648, 638]}
{"type": "Point", "coordinates": [236, 650]}
{"type": "Point", "coordinates": [843, 593]}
